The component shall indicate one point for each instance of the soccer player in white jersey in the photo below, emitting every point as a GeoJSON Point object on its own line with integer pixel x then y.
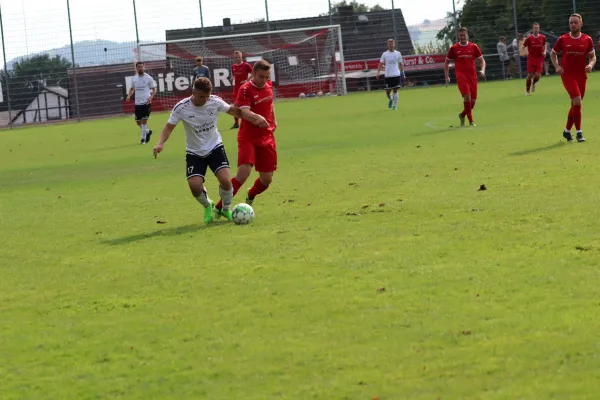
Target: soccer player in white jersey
{"type": "Point", "coordinates": [144, 87]}
{"type": "Point", "coordinates": [204, 146]}
{"type": "Point", "coordinates": [394, 71]}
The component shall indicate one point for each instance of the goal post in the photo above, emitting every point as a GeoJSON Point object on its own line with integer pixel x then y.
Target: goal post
{"type": "Point", "coordinates": [307, 61]}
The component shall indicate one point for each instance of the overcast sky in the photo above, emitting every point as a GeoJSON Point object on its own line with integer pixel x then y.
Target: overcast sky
{"type": "Point", "coordinates": [32, 26]}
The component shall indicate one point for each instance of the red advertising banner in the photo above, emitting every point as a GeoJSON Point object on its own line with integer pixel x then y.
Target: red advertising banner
{"type": "Point", "coordinates": [411, 63]}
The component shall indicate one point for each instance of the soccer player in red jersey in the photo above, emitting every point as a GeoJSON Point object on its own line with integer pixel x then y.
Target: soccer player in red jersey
{"type": "Point", "coordinates": [464, 54]}
{"type": "Point", "coordinates": [240, 72]}
{"type": "Point", "coordinates": [256, 142]}
{"type": "Point", "coordinates": [575, 47]}
{"type": "Point", "coordinates": [536, 45]}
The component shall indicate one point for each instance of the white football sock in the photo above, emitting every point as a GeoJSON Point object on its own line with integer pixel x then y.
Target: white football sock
{"type": "Point", "coordinates": [203, 199]}
{"type": "Point", "coordinates": [227, 197]}
{"type": "Point", "coordinates": [396, 99]}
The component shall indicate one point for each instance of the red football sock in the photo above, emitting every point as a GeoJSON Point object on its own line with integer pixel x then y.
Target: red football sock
{"type": "Point", "coordinates": [236, 120]}
{"type": "Point", "coordinates": [467, 111]}
{"type": "Point", "coordinates": [472, 105]}
{"type": "Point", "coordinates": [257, 188]}
{"type": "Point", "coordinates": [528, 84]}
{"type": "Point", "coordinates": [570, 120]}
{"type": "Point", "coordinates": [236, 186]}
{"type": "Point", "coordinates": [577, 117]}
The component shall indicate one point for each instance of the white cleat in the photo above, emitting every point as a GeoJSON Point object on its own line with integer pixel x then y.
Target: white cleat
{"type": "Point", "coordinates": [527, 94]}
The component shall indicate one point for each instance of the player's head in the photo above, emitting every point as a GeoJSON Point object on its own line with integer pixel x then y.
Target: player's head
{"type": "Point", "coordinates": [502, 39]}
{"type": "Point", "coordinates": [535, 28]}
{"type": "Point", "coordinates": [261, 73]}
{"type": "Point", "coordinates": [391, 44]}
{"type": "Point", "coordinates": [237, 56]}
{"type": "Point", "coordinates": [139, 67]}
{"type": "Point", "coordinates": [575, 23]}
{"type": "Point", "coordinates": [199, 61]}
{"type": "Point", "coordinates": [463, 35]}
{"type": "Point", "coordinates": [201, 91]}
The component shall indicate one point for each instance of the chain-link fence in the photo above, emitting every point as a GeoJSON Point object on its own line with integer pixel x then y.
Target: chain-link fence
{"type": "Point", "coordinates": [71, 59]}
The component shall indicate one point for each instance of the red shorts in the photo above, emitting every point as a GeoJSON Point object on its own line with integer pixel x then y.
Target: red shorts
{"type": "Point", "coordinates": [535, 65]}
{"type": "Point", "coordinates": [575, 84]}
{"type": "Point", "coordinates": [258, 152]}
{"type": "Point", "coordinates": [467, 86]}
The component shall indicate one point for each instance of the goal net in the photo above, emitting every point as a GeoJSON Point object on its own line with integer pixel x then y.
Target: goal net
{"type": "Point", "coordinates": [305, 61]}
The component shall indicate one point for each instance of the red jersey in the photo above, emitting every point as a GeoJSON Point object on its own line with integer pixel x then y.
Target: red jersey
{"type": "Point", "coordinates": [536, 46]}
{"type": "Point", "coordinates": [574, 52]}
{"type": "Point", "coordinates": [464, 57]}
{"type": "Point", "coordinates": [240, 73]}
{"type": "Point", "coordinates": [260, 101]}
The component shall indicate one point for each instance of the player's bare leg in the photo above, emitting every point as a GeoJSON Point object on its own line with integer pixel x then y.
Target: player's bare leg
{"type": "Point", "coordinates": [536, 79]}
{"type": "Point", "coordinates": [467, 111]}
{"type": "Point", "coordinates": [528, 84]}
{"type": "Point", "coordinates": [390, 101]}
{"type": "Point", "coordinates": [196, 184]}
{"type": "Point", "coordinates": [226, 193]}
{"type": "Point", "coordinates": [243, 172]}
{"type": "Point", "coordinates": [395, 99]}
{"type": "Point", "coordinates": [261, 184]}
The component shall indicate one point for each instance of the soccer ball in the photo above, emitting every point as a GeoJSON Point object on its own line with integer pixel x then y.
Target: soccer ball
{"type": "Point", "coordinates": [243, 214]}
{"type": "Point", "coordinates": [320, 94]}
{"type": "Point", "coordinates": [302, 95]}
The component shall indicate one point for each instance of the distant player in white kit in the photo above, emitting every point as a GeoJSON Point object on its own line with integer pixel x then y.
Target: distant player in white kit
{"type": "Point", "coordinates": [394, 71]}
{"type": "Point", "coordinates": [144, 87]}
{"type": "Point", "coordinates": [204, 146]}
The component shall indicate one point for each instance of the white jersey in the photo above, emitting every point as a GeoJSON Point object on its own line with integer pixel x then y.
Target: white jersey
{"type": "Point", "coordinates": [142, 85]}
{"type": "Point", "coordinates": [200, 124]}
{"type": "Point", "coordinates": [391, 59]}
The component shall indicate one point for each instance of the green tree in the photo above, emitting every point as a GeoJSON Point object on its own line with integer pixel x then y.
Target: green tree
{"type": "Point", "coordinates": [30, 74]}
{"type": "Point", "coordinates": [358, 7]}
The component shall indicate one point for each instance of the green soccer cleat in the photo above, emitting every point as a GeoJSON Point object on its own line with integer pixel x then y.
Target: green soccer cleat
{"type": "Point", "coordinates": [226, 213]}
{"type": "Point", "coordinates": [208, 212]}
{"type": "Point", "coordinates": [472, 125]}
{"type": "Point", "coordinates": [462, 119]}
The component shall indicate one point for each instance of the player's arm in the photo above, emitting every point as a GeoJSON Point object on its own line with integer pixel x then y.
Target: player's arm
{"type": "Point", "coordinates": [164, 136]}
{"type": "Point", "coordinates": [234, 111]}
{"type": "Point", "coordinates": [152, 94]}
{"type": "Point", "coordinates": [482, 65]}
{"type": "Point", "coordinates": [208, 73]}
{"type": "Point", "coordinates": [447, 71]}
{"type": "Point", "coordinates": [592, 63]}
{"type": "Point", "coordinates": [554, 58]}
{"type": "Point", "coordinates": [253, 118]}
{"type": "Point", "coordinates": [379, 68]}
{"type": "Point", "coordinates": [130, 93]}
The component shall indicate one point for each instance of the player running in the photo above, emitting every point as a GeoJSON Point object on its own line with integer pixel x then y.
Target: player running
{"type": "Point", "coordinates": [256, 142]}
{"type": "Point", "coordinates": [575, 47]}
{"type": "Point", "coordinates": [204, 146]}
{"type": "Point", "coordinates": [536, 46]}
{"type": "Point", "coordinates": [144, 87]}
{"type": "Point", "coordinates": [394, 71]}
{"type": "Point", "coordinates": [464, 54]}
{"type": "Point", "coordinates": [240, 71]}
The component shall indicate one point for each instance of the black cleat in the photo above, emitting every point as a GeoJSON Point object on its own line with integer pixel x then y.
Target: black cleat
{"type": "Point", "coordinates": [580, 137]}
{"type": "Point", "coordinates": [148, 136]}
{"type": "Point", "coordinates": [568, 136]}
{"type": "Point", "coordinates": [235, 126]}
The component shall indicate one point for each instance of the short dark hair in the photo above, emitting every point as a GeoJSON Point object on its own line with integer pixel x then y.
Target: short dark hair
{"type": "Point", "coordinates": [139, 63]}
{"type": "Point", "coordinates": [463, 29]}
{"type": "Point", "coordinates": [262, 65]}
{"type": "Point", "coordinates": [203, 85]}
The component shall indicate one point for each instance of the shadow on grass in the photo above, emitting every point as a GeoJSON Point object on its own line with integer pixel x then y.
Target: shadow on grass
{"type": "Point", "coordinates": [175, 231]}
{"type": "Point", "coordinates": [538, 150]}
{"type": "Point", "coordinates": [440, 130]}
{"type": "Point", "coordinates": [123, 146]}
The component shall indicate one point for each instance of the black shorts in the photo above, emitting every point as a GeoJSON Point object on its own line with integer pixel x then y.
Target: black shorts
{"type": "Point", "coordinates": [142, 111]}
{"type": "Point", "coordinates": [393, 82]}
{"type": "Point", "coordinates": [216, 160]}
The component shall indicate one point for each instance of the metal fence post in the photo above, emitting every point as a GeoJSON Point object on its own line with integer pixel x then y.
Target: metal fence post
{"type": "Point", "coordinates": [394, 22]}
{"type": "Point", "coordinates": [574, 6]}
{"type": "Point", "coordinates": [137, 34]}
{"type": "Point", "coordinates": [73, 63]}
{"type": "Point", "coordinates": [201, 18]}
{"type": "Point", "coordinates": [517, 50]}
{"type": "Point", "coordinates": [267, 14]}
{"type": "Point", "coordinates": [331, 17]}
{"type": "Point", "coordinates": [5, 71]}
{"type": "Point", "coordinates": [455, 19]}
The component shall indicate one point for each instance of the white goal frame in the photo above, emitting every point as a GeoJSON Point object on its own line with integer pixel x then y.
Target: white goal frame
{"type": "Point", "coordinates": [339, 48]}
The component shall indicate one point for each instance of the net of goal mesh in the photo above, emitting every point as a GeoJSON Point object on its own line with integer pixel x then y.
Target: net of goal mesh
{"type": "Point", "coordinates": [305, 63]}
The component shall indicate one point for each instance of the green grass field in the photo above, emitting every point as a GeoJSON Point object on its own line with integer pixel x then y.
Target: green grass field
{"type": "Point", "coordinates": [374, 266]}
